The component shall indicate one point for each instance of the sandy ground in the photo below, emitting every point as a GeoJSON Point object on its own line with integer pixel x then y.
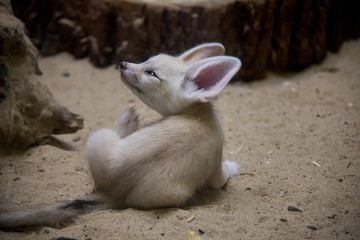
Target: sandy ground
{"type": "Point", "coordinates": [296, 137]}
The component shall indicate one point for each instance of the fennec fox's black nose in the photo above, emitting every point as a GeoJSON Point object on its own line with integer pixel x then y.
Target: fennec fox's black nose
{"type": "Point", "coordinates": [123, 65]}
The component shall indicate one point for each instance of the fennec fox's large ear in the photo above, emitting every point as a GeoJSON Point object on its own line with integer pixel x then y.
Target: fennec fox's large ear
{"type": "Point", "coordinates": [202, 51]}
{"type": "Point", "coordinates": [206, 78]}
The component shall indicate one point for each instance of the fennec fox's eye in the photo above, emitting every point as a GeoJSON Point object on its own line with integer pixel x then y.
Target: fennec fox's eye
{"type": "Point", "coordinates": [151, 73]}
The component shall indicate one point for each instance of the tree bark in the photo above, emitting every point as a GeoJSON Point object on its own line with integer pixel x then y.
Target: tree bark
{"type": "Point", "coordinates": [265, 34]}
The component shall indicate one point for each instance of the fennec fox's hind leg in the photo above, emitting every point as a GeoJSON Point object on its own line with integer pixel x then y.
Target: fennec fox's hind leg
{"type": "Point", "coordinates": [128, 122]}
{"type": "Point", "coordinates": [227, 170]}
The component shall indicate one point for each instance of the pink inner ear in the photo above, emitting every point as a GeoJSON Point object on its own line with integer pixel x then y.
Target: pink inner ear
{"type": "Point", "coordinates": [209, 77]}
{"type": "Point", "coordinates": [204, 79]}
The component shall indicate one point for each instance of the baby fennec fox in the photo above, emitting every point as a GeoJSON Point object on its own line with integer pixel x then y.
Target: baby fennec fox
{"type": "Point", "coordinates": [163, 164]}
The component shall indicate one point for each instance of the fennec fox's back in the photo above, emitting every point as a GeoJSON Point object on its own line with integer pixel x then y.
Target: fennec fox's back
{"type": "Point", "coordinates": [162, 164]}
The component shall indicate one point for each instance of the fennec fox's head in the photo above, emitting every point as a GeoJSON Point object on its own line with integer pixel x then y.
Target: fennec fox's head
{"type": "Point", "coordinates": [171, 84]}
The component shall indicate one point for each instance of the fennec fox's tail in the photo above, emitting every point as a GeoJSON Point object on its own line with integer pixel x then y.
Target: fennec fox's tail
{"type": "Point", "coordinates": [55, 215]}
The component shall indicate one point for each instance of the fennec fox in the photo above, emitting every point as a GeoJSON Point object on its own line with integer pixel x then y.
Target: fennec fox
{"type": "Point", "coordinates": [163, 164]}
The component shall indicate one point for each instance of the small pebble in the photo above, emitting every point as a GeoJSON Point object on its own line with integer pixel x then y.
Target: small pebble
{"type": "Point", "coordinates": [332, 216]}
{"type": "Point", "coordinates": [282, 193]}
{"type": "Point", "coordinates": [162, 234]}
{"type": "Point", "coordinates": [293, 209]}
{"type": "Point", "coordinates": [79, 168]}
{"type": "Point", "coordinates": [283, 219]}
{"type": "Point", "coordinates": [65, 74]}
{"type": "Point", "coordinates": [312, 227]}
{"type": "Point", "coordinates": [201, 231]}
{"type": "Point", "coordinates": [40, 169]}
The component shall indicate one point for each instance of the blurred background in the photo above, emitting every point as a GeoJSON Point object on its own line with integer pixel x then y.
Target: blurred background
{"type": "Point", "coordinates": [281, 35]}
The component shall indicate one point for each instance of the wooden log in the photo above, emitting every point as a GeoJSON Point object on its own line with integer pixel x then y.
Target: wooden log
{"type": "Point", "coordinates": [29, 114]}
{"type": "Point", "coordinates": [265, 34]}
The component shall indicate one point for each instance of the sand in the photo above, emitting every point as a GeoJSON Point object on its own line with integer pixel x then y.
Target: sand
{"type": "Point", "coordinates": [296, 137]}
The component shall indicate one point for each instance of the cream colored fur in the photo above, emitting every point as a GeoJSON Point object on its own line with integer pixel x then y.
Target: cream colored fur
{"type": "Point", "coordinates": [165, 163]}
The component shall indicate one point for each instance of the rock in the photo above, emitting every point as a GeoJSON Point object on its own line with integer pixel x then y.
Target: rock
{"type": "Point", "coordinates": [266, 34]}
{"type": "Point", "coordinates": [29, 113]}
{"type": "Point", "coordinates": [312, 228]}
{"type": "Point", "coordinates": [41, 169]}
{"type": "Point", "coordinates": [294, 209]}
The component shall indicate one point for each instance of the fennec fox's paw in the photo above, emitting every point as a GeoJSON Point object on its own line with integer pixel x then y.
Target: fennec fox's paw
{"type": "Point", "coordinates": [128, 122]}
{"type": "Point", "coordinates": [230, 168]}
